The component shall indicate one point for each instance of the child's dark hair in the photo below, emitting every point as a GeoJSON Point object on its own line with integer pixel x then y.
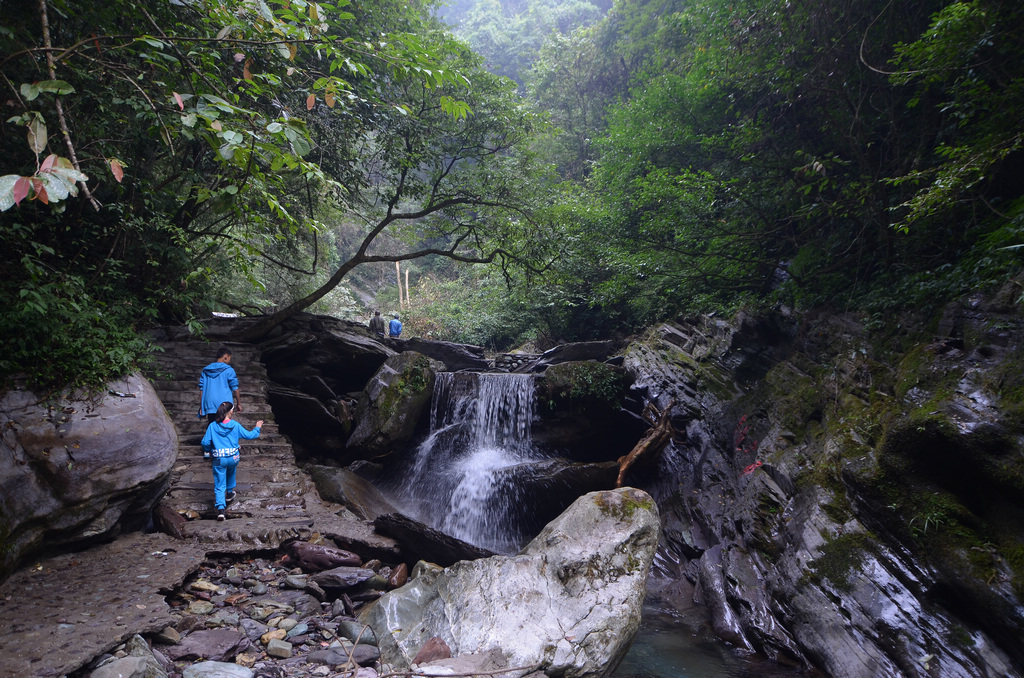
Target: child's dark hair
{"type": "Point", "coordinates": [223, 352]}
{"type": "Point", "coordinates": [224, 410]}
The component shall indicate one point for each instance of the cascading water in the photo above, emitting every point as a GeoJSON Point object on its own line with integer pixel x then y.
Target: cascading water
{"type": "Point", "coordinates": [463, 479]}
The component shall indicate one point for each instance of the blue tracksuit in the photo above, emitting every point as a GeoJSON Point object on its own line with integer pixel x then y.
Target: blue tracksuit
{"type": "Point", "coordinates": [218, 383]}
{"type": "Point", "coordinates": [221, 441]}
{"type": "Point", "coordinates": [394, 327]}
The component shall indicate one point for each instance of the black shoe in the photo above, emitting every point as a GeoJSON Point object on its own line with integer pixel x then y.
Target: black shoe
{"type": "Point", "coordinates": [230, 497]}
{"type": "Point", "coordinates": [221, 517]}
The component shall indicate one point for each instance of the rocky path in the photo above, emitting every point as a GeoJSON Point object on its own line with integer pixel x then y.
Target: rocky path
{"type": "Point", "coordinates": [60, 612]}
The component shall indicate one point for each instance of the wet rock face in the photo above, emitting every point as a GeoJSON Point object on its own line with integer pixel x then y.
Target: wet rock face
{"type": "Point", "coordinates": [826, 497]}
{"type": "Point", "coordinates": [569, 602]}
{"type": "Point", "coordinates": [80, 471]}
{"type": "Point", "coordinates": [393, 404]}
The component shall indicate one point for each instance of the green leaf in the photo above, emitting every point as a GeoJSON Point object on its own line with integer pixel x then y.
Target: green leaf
{"type": "Point", "coordinates": [7, 191]}
{"type": "Point", "coordinates": [30, 91]}
{"type": "Point", "coordinates": [37, 134]}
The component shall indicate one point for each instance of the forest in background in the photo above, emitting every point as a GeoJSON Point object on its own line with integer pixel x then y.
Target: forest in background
{"type": "Point", "coordinates": [558, 171]}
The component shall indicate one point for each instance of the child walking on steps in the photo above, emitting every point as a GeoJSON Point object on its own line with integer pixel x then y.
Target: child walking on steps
{"type": "Point", "coordinates": [221, 443]}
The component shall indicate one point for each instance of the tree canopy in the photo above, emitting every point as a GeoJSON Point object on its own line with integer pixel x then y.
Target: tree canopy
{"type": "Point", "coordinates": [206, 138]}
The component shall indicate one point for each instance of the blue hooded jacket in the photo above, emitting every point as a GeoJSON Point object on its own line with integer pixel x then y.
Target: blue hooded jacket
{"type": "Point", "coordinates": [221, 439]}
{"type": "Point", "coordinates": [218, 382]}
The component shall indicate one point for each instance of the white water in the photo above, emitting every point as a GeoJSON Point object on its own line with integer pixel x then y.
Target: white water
{"type": "Point", "coordinates": [463, 478]}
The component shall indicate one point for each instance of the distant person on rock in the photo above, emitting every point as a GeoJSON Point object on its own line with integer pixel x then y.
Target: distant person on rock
{"type": "Point", "coordinates": [221, 444]}
{"type": "Point", "coordinates": [218, 383]}
{"type": "Point", "coordinates": [377, 324]}
{"type": "Point", "coordinates": [394, 327]}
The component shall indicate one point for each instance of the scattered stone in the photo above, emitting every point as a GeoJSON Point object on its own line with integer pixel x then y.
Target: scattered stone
{"type": "Point", "coordinates": [217, 670]}
{"type": "Point", "coordinates": [130, 667]}
{"type": "Point", "coordinates": [342, 577]}
{"type": "Point", "coordinates": [168, 636]}
{"type": "Point", "coordinates": [279, 648]}
{"type": "Point", "coordinates": [275, 634]}
{"type": "Point", "coordinates": [319, 557]}
{"type": "Point", "coordinates": [204, 585]}
{"type": "Point", "coordinates": [356, 631]}
{"type": "Point", "coordinates": [216, 645]}
{"type": "Point", "coordinates": [200, 607]}
{"type": "Point", "coordinates": [399, 576]}
{"type": "Point", "coordinates": [295, 582]}
{"type": "Point", "coordinates": [435, 648]}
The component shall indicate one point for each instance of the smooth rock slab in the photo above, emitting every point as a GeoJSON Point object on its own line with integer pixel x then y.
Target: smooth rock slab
{"type": "Point", "coordinates": [569, 602]}
{"type": "Point", "coordinates": [80, 471]}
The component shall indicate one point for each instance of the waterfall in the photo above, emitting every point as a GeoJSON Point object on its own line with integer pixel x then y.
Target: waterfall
{"type": "Point", "coordinates": [463, 478]}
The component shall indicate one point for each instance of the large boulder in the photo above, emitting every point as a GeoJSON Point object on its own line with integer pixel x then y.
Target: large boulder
{"type": "Point", "coordinates": [74, 471]}
{"type": "Point", "coordinates": [568, 603]}
{"type": "Point", "coordinates": [393, 403]}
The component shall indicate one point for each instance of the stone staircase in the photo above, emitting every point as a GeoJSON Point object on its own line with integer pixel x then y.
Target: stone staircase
{"type": "Point", "coordinates": [272, 493]}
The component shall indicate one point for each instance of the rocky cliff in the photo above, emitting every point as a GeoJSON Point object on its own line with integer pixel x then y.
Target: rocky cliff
{"type": "Point", "coordinates": [842, 496]}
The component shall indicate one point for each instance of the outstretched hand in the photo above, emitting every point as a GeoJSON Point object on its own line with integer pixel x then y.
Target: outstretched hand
{"type": "Point", "coordinates": [259, 424]}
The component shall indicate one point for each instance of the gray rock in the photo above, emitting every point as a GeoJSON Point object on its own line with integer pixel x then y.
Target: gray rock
{"type": "Point", "coordinates": [216, 645]}
{"type": "Point", "coordinates": [131, 667]}
{"type": "Point", "coordinates": [216, 670]}
{"type": "Point", "coordinates": [168, 636]}
{"type": "Point", "coordinates": [279, 648]}
{"type": "Point", "coordinates": [80, 472]}
{"type": "Point", "coordinates": [342, 577]}
{"type": "Point", "coordinates": [393, 403]}
{"type": "Point", "coordinates": [338, 656]}
{"type": "Point", "coordinates": [252, 628]}
{"type": "Point", "coordinates": [356, 632]}
{"type": "Point", "coordinates": [578, 589]}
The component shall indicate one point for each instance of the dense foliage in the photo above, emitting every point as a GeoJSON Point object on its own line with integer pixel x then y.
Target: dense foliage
{"type": "Point", "coordinates": [166, 159]}
{"type": "Point", "coordinates": [213, 145]}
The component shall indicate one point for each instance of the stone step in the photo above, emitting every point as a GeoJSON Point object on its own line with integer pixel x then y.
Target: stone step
{"type": "Point", "coordinates": [250, 448]}
{"type": "Point", "coordinates": [177, 370]}
{"type": "Point", "coordinates": [194, 434]}
{"type": "Point", "coordinates": [252, 389]}
{"type": "Point", "coordinates": [242, 533]}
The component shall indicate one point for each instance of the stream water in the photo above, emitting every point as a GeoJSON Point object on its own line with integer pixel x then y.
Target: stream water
{"type": "Point", "coordinates": [463, 481]}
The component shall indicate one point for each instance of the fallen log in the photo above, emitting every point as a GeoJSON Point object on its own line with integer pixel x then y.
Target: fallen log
{"type": "Point", "coordinates": [656, 438]}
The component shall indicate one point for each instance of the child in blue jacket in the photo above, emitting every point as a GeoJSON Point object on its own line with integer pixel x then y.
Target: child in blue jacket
{"type": "Point", "coordinates": [221, 443]}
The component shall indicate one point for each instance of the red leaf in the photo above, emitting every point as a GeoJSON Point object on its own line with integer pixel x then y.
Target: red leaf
{"type": "Point", "coordinates": [117, 169]}
{"type": "Point", "coordinates": [48, 163]}
{"type": "Point", "coordinates": [246, 73]}
{"type": "Point", "coordinates": [181, 104]}
{"type": "Point", "coordinates": [310, 102]}
{"type": "Point", "coordinates": [40, 188]}
{"type": "Point", "coordinates": [21, 187]}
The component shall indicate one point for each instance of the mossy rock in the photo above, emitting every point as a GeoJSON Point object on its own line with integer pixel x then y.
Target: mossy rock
{"type": "Point", "coordinates": [394, 402]}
